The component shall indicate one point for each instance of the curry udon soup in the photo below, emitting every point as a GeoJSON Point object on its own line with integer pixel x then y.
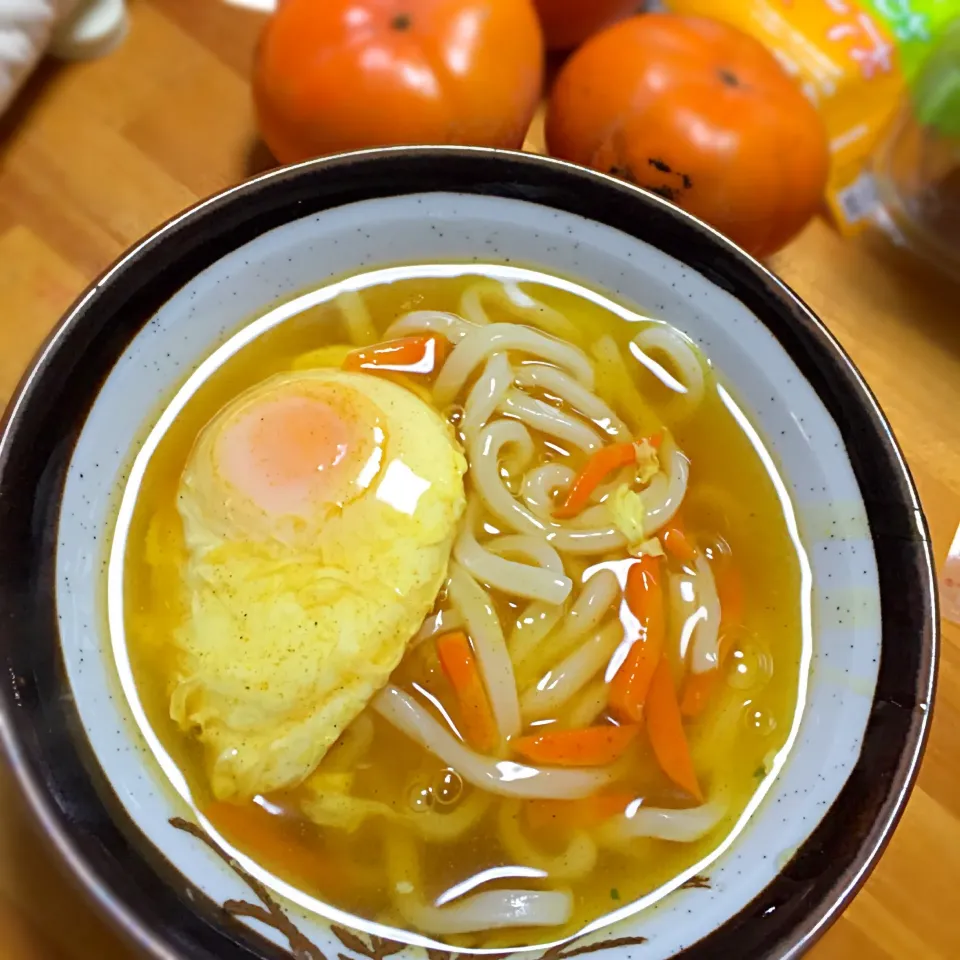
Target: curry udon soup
{"type": "Point", "coordinates": [465, 603]}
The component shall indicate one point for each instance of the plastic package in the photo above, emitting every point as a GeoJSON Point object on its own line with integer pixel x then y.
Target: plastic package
{"type": "Point", "coordinates": [917, 168]}
{"type": "Point", "coordinates": [854, 60]}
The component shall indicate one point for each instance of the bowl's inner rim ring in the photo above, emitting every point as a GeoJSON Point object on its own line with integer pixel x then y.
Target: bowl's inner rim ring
{"type": "Point", "coordinates": [804, 898]}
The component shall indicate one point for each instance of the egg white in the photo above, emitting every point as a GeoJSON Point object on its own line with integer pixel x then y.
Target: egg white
{"type": "Point", "coordinates": [293, 623]}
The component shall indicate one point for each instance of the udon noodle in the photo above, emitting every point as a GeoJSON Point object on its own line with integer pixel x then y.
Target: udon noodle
{"type": "Point", "coordinates": [624, 636]}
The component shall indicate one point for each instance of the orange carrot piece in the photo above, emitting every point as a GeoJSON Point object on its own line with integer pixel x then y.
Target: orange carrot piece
{"type": "Point", "coordinates": [699, 688]}
{"type": "Point", "coordinates": [644, 596]}
{"type": "Point", "coordinates": [600, 465]}
{"type": "Point", "coordinates": [251, 827]}
{"type": "Point", "coordinates": [590, 747]}
{"type": "Point", "coordinates": [424, 355]}
{"type": "Point", "coordinates": [460, 666]}
{"type": "Point", "coordinates": [576, 814]}
{"type": "Point", "coordinates": [730, 593]}
{"type": "Point", "coordinates": [678, 545]}
{"type": "Point", "coordinates": [667, 736]}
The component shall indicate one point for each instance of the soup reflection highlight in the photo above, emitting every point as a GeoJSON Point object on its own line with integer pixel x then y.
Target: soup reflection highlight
{"type": "Point", "coordinates": [468, 606]}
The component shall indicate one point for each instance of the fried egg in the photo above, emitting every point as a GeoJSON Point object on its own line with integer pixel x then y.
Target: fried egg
{"type": "Point", "coordinates": [319, 510]}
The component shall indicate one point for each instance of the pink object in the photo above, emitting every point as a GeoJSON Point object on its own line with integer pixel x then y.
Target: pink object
{"type": "Point", "coordinates": [950, 583]}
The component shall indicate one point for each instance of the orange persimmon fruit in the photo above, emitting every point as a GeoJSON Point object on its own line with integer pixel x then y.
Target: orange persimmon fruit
{"type": "Point", "coordinates": [701, 114]}
{"type": "Point", "coordinates": [334, 75]}
{"type": "Point", "coordinates": [567, 23]}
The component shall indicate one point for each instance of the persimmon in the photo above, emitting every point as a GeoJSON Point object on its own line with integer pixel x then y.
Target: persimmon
{"type": "Point", "coordinates": [567, 23]}
{"type": "Point", "coordinates": [334, 75]}
{"type": "Point", "coordinates": [700, 113]}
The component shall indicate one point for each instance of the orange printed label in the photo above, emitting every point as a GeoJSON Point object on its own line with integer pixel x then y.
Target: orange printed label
{"type": "Point", "coordinates": [846, 62]}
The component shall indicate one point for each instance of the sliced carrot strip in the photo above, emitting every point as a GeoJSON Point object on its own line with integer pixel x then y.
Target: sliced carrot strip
{"type": "Point", "coordinates": [590, 747]}
{"type": "Point", "coordinates": [423, 355]}
{"type": "Point", "coordinates": [699, 688]}
{"type": "Point", "coordinates": [667, 736]}
{"type": "Point", "coordinates": [460, 666]}
{"type": "Point", "coordinates": [644, 596]}
{"type": "Point", "coordinates": [730, 593]}
{"type": "Point", "coordinates": [600, 465]}
{"type": "Point", "coordinates": [252, 828]}
{"type": "Point", "coordinates": [570, 814]}
{"type": "Point", "coordinates": [677, 544]}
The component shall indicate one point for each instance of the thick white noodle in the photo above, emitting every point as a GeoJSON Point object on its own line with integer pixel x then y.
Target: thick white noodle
{"type": "Point", "coordinates": [481, 342]}
{"type": "Point", "coordinates": [517, 544]}
{"type": "Point", "coordinates": [661, 339]}
{"type": "Point", "coordinates": [455, 913]}
{"type": "Point", "coordinates": [681, 826]}
{"type": "Point", "coordinates": [356, 319]}
{"type": "Point", "coordinates": [533, 624]}
{"type": "Point", "coordinates": [483, 625]}
{"type": "Point", "coordinates": [665, 492]}
{"type": "Point", "coordinates": [558, 685]}
{"type": "Point", "coordinates": [485, 454]}
{"type": "Point", "coordinates": [550, 420]}
{"type": "Point", "coordinates": [485, 459]}
{"type": "Point", "coordinates": [574, 863]}
{"type": "Point", "coordinates": [516, 301]}
{"type": "Point", "coordinates": [486, 395]}
{"type": "Point", "coordinates": [552, 380]}
{"type": "Point", "coordinates": [448, 325]}
{"type": "Point", "coordinates": [588, 705]}
{"type": "Point", "coordinates": [471, 303]}
{"type": "Point", "coordinates": [543, 484]}
{"type": "Point", "coordinates": [502, 777]}
{"type": "Point", "coordinates": [616, 386]}
{"type": "Point", "coordinates": [593, 603]}
{"type": "Point", "coordinates": [437, 623]}
{"type": "Point", "coordinates": [705, 651]}
{"type": "Point", "coordinates": [490, 910]}
{"type": "Point", "coordinates": [543, 579]}
{"type": "Point", "coordinates": [572, 539]}
{"type": "Point", "coordinates": [342, 811]}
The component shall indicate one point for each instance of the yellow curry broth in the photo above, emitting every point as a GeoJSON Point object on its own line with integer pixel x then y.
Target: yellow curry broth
{"type": "Point", "coordinates": [730, 500]}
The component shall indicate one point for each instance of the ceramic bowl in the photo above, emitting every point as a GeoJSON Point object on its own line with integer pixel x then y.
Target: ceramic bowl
{"type": "Point", "coordinates": [82, 413]}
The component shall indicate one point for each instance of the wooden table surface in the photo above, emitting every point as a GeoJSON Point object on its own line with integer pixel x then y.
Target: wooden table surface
{"type": "Point", "coordinates": [95, 155]}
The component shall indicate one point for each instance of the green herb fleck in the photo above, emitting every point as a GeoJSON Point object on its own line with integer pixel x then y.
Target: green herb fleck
{"type": "Point", "coordinates": [614, 894]}
{"type": "Point", "coordinates": [760, 772]}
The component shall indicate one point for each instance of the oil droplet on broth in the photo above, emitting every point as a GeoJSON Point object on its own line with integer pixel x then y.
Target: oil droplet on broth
{"type": "Point", "coordinates": [448, 787]}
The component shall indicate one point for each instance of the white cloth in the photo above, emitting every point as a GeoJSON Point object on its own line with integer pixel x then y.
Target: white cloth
{"type": "Point", "coordinates": [25, 30]}
{"type": "Point", "coordinates": [77, 29]}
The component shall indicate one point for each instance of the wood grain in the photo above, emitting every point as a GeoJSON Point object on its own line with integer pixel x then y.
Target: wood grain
{"type": "Point", "coordinates": [96, 154]}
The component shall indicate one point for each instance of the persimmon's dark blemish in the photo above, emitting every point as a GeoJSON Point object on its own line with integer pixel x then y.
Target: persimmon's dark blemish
{"type": "Point", "coordinates": [687, 182]}
{"type": "Point", "coordinates": [401, 21]}
{"type": "Point", "coordinates": [660, 165]}
{"type": "Point", "coordinates": [728, 77]}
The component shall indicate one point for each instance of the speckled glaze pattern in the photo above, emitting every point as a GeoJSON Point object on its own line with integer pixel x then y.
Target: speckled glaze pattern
{"type": "Point", "coordinates": [142, 329]}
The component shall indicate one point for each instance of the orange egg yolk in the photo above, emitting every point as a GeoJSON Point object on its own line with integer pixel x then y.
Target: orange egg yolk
{"type": "Point", "coordinates": [293, 452]}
